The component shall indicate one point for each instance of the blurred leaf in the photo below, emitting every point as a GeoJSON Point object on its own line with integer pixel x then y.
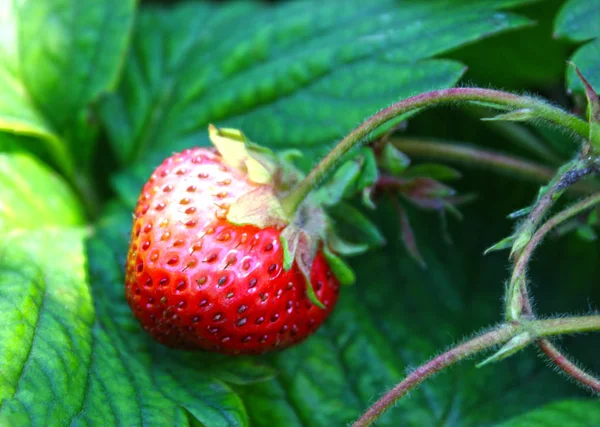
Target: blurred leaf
{"type": "Point", "coordinates": [282, 73]}
{"type": "Point", "coordinates": [33, 196]}
{"type": "Point", "coordinates": [393, 160]}
{"type": "Point", "coordinates": [351, 221]}
{"type": "Point", "coordinates": [433, 171]}
{"type": "Point", "coordinates": [564, 413]}
{"type": "Point", "coordinates": [56, 57]}
{"type": "Point", "coordinates": [579, 20]}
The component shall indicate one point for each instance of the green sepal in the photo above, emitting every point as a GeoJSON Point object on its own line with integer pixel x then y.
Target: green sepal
{"type": "Point", "coordinates": [340, 269]}
{"type": "Point", "coordinates": [346, 248]}
{"type": "Point", "coordinates": [521, 115]}
{"type": "Point", "coordinates": [234, 147]}
{"type": "Point", "coordinates": [341, 184]}
{"type": "Point", "coordinates": [289, 242]}
{"type": "Point", "coordinates": [369, 171]}
{"type": "Point", "coordinates": [593, 109]}
{"type": "Point", "coordinates": [348, 214]}
{"type": "Point", "coordinates": [516, 344]}
{"type": "Point", "coordinates": [503, 244]}
{"type": "Point", "coordinates": [520, 213]}
{"type": "Point", "coordinates": [393, 160]}
{"type": "Point", "coordinates": [312, 297]}
{"type": "Point", "coordinates": [270, 213]}
{"type": "Point", "coordinates": [367, 198]}
{"type": "Point", "coordinates": [587, 233]}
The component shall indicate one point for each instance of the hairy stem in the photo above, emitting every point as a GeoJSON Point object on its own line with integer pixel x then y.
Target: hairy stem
{"type": "Point", "coordinates": [493, 338]}
{"type": "Point", "coordinates": [561, 361]}
{"type": "Point", "coordinates": [455, 354]}
{"type": "Point", "coordinates": [563, 325]}
{"type": "Point", "coordinates": [494, 161]}
{"type": "Point", "coordinates": [538, 108]}
{"type": "Point", "coordinates": [569, 368]}
{"type": "Point", "coordinates": [566, 177]}
{"type": "Point", "coordinates": [518, 278]}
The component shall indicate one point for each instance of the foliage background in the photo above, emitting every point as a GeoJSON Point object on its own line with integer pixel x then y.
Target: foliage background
{"type": "Point", "coordinates": [93, 94]}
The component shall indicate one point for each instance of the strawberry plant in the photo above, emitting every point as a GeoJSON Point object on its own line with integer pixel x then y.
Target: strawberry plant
{"type": "Point", "coordinates": [265, 214]}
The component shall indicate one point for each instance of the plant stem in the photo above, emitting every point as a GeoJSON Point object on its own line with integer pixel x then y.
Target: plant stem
{"type": "Point", "coordinates": [519, 271]}
{"type": "Point", "coordinates": [568, 367]}
{"type": "Point", "coordinates": [497, 336]}
{"type": "Point", "coordinates": [513, 167]}
{"type": "Point", "coordinates": [498, 99]}
{"type": "Point", "coordinates": [556, 357]}
{"type": "Point", "coordinates": [563, 325]}
{"type": "Point", "coordinates": [567, 175]}
{"type": "Point", "coordinates": [455, 354]}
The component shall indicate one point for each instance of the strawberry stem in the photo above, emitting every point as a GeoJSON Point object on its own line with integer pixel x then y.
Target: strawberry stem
{"type": "Point", "coordinates": [486, 341]}
{"type": "Point", "coordinates": [513, 167]}
{"type": "Point", "coordinates": [494, 98]}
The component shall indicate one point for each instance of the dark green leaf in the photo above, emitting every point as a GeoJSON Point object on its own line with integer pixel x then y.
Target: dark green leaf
{"type": "Point", "coordinates": [281, 73]}
{"type": "Point", "coordinates": [530, 57]}
{"type": "Point", "coordinates": [579, 20]}
{"type": "Point", "coordinates": [564, 413]}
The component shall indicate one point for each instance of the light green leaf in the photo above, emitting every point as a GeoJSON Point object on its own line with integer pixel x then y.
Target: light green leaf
{"type": "Point", "coordinates": [563, 413]}
{"type": "Point", "coordinates": [281, 74]}
{"type": "Point", "coordinates": [33, 196]}
{"type": "Point", "coordinates": [69, 52]}
{"type": "Point", "coordinates": [45, 336]}
{"type": "Point", "coordinates": [56, 57]}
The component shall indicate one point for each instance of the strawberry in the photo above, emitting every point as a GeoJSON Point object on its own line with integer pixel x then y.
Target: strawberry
{"type": "Point", "coordinates": [214, 263]}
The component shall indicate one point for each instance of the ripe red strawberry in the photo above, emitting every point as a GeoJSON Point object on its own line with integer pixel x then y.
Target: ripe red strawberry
{"type": "Point", "coordinates": [195, 280]}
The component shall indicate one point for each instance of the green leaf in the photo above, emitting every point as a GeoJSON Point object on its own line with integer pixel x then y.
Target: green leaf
{"type": "Point", "coordinates": [563, 413]}
{"type": "Point", "coordinates": [56, 58]}
{"type": "Point", "coordinates": [18, 115]}
{"type": "Point", "coordinates": [45, 339]}
{"type": "Point", "coordinates": [33, 196]}
{"type": "Point", "coordinates": [280, 73]}
{"type": "Point", "coordinates": [68, 52]}
{"type": "Point", "coordinates": [507, 62]}
{"type": "Point", "coordinates": [579, 20]}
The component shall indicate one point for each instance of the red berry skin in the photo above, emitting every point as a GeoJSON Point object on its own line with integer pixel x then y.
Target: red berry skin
{"type": "Point", "coordinates": [196, 281]}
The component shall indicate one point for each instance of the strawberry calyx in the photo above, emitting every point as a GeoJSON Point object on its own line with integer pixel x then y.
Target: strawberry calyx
{"type": "Point", "coordinates": [303, 232]}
